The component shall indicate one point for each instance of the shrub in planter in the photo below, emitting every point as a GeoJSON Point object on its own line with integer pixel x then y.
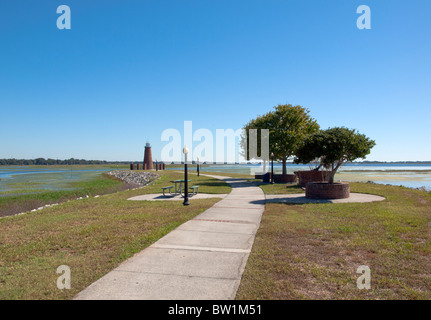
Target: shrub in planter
{"type": "Point", "coordinates": [333, 147]}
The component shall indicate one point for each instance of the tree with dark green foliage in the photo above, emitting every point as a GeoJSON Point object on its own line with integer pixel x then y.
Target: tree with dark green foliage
{"type": "Point", "coordinates": [334, 147]}
{"type": "Point", "coordinates": [288, 126]}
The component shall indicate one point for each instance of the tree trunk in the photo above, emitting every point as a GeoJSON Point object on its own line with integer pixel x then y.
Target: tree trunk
{"type": "Point", "coordinates": [334, 170]}
{"type": "Point", "coordinates": [331, 177]}
{"type": "Point", "coordinates": [317, 168]}
{"type": "Point", "coordinates": [284, 166]}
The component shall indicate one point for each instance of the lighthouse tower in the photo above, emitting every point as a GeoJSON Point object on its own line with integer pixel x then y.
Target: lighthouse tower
{"type": "Point", "coordinates": [148, 159]}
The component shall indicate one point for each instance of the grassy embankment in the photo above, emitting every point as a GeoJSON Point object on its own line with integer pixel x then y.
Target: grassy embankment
{"type": "Point", "coordinates": [91, 236]}
{"type": "Point", "coordinates": [312, 251]}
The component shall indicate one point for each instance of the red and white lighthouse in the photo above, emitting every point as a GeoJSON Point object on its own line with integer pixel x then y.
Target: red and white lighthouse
{"type": "Point", "coordinates": [148, 159]}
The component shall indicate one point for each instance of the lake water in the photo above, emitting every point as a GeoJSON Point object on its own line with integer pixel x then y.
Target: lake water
{"type": "Point", "coordinates": [408, 175]}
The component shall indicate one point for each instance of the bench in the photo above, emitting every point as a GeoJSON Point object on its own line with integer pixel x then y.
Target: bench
{"type": "Point", "coordinates": [195, 190]}
{"type": "Point", "coordinates": [169, 189]}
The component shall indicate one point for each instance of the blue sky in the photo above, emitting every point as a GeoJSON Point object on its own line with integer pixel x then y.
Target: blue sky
{"type": "Point", "coordinates": [127, 70]}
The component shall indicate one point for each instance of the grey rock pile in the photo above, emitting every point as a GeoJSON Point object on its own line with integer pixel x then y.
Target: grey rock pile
{"type": "Point", "coordinates": [134, 177]}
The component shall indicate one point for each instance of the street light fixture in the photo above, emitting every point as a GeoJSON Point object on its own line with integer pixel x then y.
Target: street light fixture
{"type": "Point", "coordinates": [197, 160]}
{"type": "Point", "coordinates": [272, 167]}
{"type": "Point", "coordinates": [186, 184]}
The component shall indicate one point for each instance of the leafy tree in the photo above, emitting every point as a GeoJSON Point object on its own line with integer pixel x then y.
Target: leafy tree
{"type": "Point", "coordinates": [334, 147]}
{"type": "Point", "coordinates": [288, 126]}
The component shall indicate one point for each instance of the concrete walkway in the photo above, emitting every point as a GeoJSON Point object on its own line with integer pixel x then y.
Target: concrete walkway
{"type": "Point", "coordinates": [203, 258]}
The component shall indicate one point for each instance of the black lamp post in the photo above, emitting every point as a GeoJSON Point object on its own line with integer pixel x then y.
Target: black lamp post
{"type": "Point", "coordinates": [157, 167]}
{"type": "Point", "coordinates": [186, 184]}
{"type": "Point", "coordinates": [197, 165]}
{"type": "Point", "coordinates": [272, 167]}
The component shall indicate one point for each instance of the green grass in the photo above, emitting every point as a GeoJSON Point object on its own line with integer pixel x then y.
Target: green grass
{"type": "Point", "coordinates": [312, 251]}
{"type": "Point", "coordinates": [91, 236]}
{"type": "Point", "coordinates": [277, 188]}
{"type": "Point", "coordinates": [309, 251]}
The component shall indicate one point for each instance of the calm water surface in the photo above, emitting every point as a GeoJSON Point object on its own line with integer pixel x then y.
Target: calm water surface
{"type": "Point", "coordinates": [408, 175]}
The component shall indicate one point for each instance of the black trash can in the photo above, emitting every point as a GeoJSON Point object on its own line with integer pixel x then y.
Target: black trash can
{"type": "Point", "coordinates": [266, 177]}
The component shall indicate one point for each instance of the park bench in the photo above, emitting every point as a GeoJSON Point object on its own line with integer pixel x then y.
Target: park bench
{"type": "Point", "coordinates": [195, 190]}
{"type": "Point", "coordinates": [169, 189]}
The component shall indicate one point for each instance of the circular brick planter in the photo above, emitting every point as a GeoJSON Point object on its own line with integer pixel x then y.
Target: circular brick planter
{"type": "Point", "coordinates": [305, 177]}
{"type": "Point", "coordinates": [325, 190]}
{"type": "Point", "coordinates": [287, 178]}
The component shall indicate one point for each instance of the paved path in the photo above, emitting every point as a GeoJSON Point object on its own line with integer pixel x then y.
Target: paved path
{"type": "Point", "coordinates": [203, 258]}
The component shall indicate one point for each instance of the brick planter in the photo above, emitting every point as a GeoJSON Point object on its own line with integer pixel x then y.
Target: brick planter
{"type": "Point", "coordinates": [278, 178]}
{"type": "Point", "coordinates": [287, 178]}
{"type": "Point", "coordinates": [305, 177]}
{"type": "Point", "coordinates": [325, 190]}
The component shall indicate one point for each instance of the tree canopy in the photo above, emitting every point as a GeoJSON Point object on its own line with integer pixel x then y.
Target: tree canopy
{"type": "Point", "coordinates": [334, 147]}
{"type": "Point", "coordinates": [288, 126]}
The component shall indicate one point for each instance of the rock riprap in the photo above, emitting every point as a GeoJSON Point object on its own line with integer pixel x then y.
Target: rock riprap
{"type": "Point", "coordinates": [134, 177]}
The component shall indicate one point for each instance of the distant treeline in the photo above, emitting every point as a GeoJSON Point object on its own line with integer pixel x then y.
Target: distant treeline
{"type": "Point", "coordinates": [42, 161]}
